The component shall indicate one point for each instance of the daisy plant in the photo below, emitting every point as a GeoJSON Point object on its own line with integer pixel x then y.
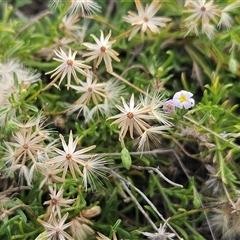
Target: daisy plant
{"type": "Point", "coordinates": [69, 67]}
{"type": "Point", "coordinates": [101, 50]}
{"type": "Point", "coordinates": [145, 20]}
{"type": "Point", "coordinates": [208, 16]}
{"type": "Point", "coordinates": [139, 119]}
{"type": "Point", "coordinates": [95, 98]}
{"type": "Point", "coordinates": [69, 157]}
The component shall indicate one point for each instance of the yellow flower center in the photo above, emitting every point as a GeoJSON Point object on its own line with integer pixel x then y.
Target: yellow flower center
{"type": "Point", "coordinates": [182, 98]}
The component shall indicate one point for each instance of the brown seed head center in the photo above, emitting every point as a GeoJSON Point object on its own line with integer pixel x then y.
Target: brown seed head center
{"type": "Point", "coordinates": [69, 62]}
{"type": "Point", "coordinates": [25, 146]}
{"type": "Point", "coordinates": [68, 156]}
{"type": "Point", "coordinates": [130, 115]}
{"type": "Point", "coordinates": [103, 49]}
{"type": "Point", "coordinates": [63, 27]}
{"type": "Point", "coordinates": [203, 9]}
{"type": "Point", "coordinates": [90, 89]}
{"type": "Point", "coordinates": [170, 106]}
{"type": "Point", "coordinates": [54, 201]}
{"type": "Point", "coordinates": [145, 19]}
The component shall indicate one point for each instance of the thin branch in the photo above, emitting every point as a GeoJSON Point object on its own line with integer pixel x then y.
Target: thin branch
{"type": "Point", "coordinates": [7, 212]}
{"type": "Point", "coordinates": [10, 190]}
{"type": "Point", "coordinates": [138, 205]}
{"type": "Point", "coordinates": [150, 168]}
{"type": "Point", "coordinates": [33, 20]}
{"type": "Point", "coordinates": [227, 195]}
{"type": "Point", "coordinates": [127, 82]}
{"type": "Point", "coordinates": [159, 173]}
{"type": "Point", "coordinates": [146, 199]}
{"type": "Point", "coordinates": [183, 149]}
{"type": "Point", "coordinates": [152, 152]}
{"type": "Point", "coordinates": [133, 67]}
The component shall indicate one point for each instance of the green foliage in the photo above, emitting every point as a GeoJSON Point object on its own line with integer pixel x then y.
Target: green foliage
{"type": "Point", "coordinates": [147, 168]}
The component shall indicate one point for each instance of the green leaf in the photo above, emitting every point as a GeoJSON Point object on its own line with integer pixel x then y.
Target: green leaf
{"type": "Point", "coordinates": [30, 107]}
{"type": "Point", "coordinates": [123, 233]}
{"type": "Point", "coordinates": [117, 223]}
{"type": "Point", "coordinates": [12, 51]}
{"type": "Point", "coordinates": [22, 214]}
{"type": "Point", "coordinates": [4, 111]}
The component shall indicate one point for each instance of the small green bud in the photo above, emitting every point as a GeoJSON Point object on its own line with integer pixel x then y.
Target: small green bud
{"type": "Point", "coordinates": [126, 158]}
{"type": "Point", "coordinates": [160, 70]}
{"type": "Point", "coordinates": [233, 65]}
{"type": "Point", "coordinates": [196, 202]}
{"type": "Point", "coordinates": [24, 92]}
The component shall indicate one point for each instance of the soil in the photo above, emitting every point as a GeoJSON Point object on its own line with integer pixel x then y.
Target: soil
{"type": "Point", "coordinates": [34, 7]}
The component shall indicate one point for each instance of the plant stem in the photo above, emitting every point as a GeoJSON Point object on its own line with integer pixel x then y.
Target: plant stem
{"type": "Point", "coordinates": [126, 82]}
{"type": "Point", "coordinates": [212, 132]}
{"type": "Point", "coordinates": [159, 173]}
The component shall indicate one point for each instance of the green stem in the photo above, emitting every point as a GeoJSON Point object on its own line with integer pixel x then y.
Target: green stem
{"type": "Point", "coordinates": [46, 66]}
{"type": "Point", "coordinates": [193, 230]}
{"type": "Point", "coordinates": [124, 34]}
{"type": "Point", "coordinates": [166, 199]}
{"type": "Point", "coordinates": [102, 20]}
{"type": "Point", "coordinates": [26, 235]}
{"type": "Point", "coordinates": [187, 213]}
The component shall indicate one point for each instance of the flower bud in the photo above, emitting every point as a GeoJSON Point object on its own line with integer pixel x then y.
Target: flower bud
{"type": "Point", "coordinates": [126, 158]}
{"type": "Point", "coordinates": [91, 212]}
